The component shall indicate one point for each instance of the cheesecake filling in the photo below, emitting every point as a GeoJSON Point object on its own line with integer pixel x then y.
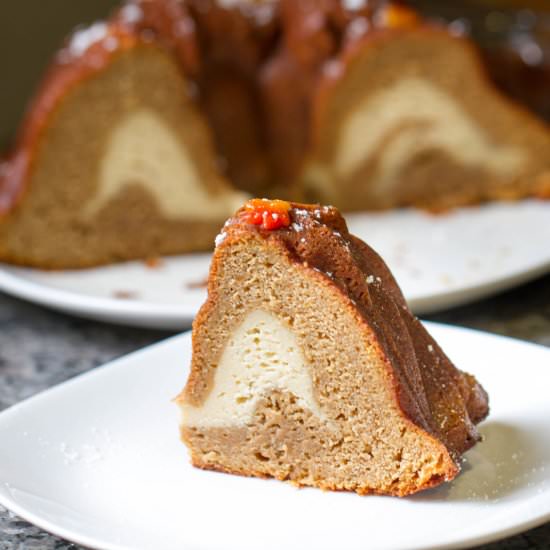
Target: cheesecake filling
{"type": "Point", "coordinates": [143, 150]}
{"type": "Point", "coordinates": [261, 355]}
{"type": "Point", "coordinates": [412, 116]}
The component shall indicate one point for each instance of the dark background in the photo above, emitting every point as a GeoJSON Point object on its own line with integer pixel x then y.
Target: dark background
{"type": "Point", "coordinates": [30, 33]}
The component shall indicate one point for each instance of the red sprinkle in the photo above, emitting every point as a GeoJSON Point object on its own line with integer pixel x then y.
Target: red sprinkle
{"type": "Point", "coordinates": [269, 214]}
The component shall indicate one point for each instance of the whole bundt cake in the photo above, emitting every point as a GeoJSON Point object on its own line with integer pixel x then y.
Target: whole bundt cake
{"type": "Point", "coordinates": [149, 128]}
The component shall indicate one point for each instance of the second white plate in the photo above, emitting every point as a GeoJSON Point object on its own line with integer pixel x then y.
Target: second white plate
{"type": "Point", "coordinates": [439, 261]}
{"type": "Point", "coordinates": [98, 461]}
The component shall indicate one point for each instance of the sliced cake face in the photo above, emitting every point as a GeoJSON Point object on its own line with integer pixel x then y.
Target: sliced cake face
{"type": "Point", "coordinates": [305, 369]}
{"type": "Point", "coordinates": [122, 152]}
{"type": "Point", "coordinates": [410, 118]}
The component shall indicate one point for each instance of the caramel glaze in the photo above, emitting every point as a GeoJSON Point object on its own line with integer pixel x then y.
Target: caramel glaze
{"type": "Point", "coordinates": [241, 35]}
{"type": "Point", "coordinates": [85, 53]}
{"type": "Point", "coordinates": [432, 393]}
{"type": "Point", "coordinates": [235, 39]}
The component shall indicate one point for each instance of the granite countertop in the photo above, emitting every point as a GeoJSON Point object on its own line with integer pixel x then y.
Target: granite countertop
{"type": "Point", "coordinates": [39, 349]}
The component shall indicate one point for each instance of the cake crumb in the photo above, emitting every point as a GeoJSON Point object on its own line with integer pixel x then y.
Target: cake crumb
{"type": "Point", "coordinates": [193, 285]}
{"type": "Point", "coordinates": [125, 294]}
{"type": "Point", "coordinates": [154, 262]}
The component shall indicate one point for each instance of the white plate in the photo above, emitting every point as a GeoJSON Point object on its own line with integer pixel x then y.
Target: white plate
{"type": "Point", "coordinates": [439, 261]}
{"type": "Point", "coordinates": [97, 460]}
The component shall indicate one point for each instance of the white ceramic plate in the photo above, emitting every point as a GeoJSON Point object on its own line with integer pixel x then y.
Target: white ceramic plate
{"type": "Point", "coordinates": [97, 460]}
{"type": "Point", "coordinates": [439, 261]}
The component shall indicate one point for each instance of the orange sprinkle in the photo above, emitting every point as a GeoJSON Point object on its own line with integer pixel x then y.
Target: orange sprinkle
{"type": "Point", "coordinates": [153, 262]}
{"type": "Point", "coordinates": [394, 16]}
{"type": "Point", "coordinates": [269, 214]}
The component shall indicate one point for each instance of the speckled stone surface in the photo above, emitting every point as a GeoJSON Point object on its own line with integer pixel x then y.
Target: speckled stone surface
{"type": "Point", "coordinates": [39, 349]}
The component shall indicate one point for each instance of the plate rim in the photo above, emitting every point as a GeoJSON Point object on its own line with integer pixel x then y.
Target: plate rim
{"type": "Point", "coordinates": [96, 542]}
{"type": "Point", "coordinates": [118, 311]}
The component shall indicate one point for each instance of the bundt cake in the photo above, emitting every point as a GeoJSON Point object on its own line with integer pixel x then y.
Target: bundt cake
{"type": "Point", "coordinates": [149, 128]}
{"type": "Point", "coordinates": [115, 159]}
{"type": "Point", "coordinates": [309, 367]}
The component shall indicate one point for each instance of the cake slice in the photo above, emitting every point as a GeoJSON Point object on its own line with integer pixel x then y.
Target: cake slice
{"type": "Point", "coordinates": [406, 115]}
{"type": "Point", "coordinates": [115, 160]}
{"type": "Point", "coordinates": [308, 365]}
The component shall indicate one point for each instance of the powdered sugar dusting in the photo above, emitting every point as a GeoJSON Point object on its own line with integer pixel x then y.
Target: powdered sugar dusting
{"type": "Point", "coordinates": [220, 238]}
{"type": "Point", "coordinates": [354, 5]}
{"type": "Point", "coordinates": [264, 14]}
{"type": "Point", "coordinates": [333, 69]}
{"type": "Point", "coordinates": [110, 43]}
{"type": "Point", "coordinates": [131, 13]}
{"type": "Point", "coordinates": [87, 454]}
{"type": "Point", "coordinates": [459, 27]}
{"type": "Point", "coordinates": [84, 38]}
{"type": "Point", "coordinates": [228, 4]}
{"type": "Point", "coordinates": [358, 27]}
{"type": "Point", "coordinates": [184, 27]}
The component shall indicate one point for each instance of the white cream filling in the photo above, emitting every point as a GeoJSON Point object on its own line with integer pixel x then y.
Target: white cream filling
{"type": "Point", "coordinates": [431, 119]}
{"type": "Point", "coordinates": [260, 356]}
{"type": "Point", "coordinates": [143, 150]}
